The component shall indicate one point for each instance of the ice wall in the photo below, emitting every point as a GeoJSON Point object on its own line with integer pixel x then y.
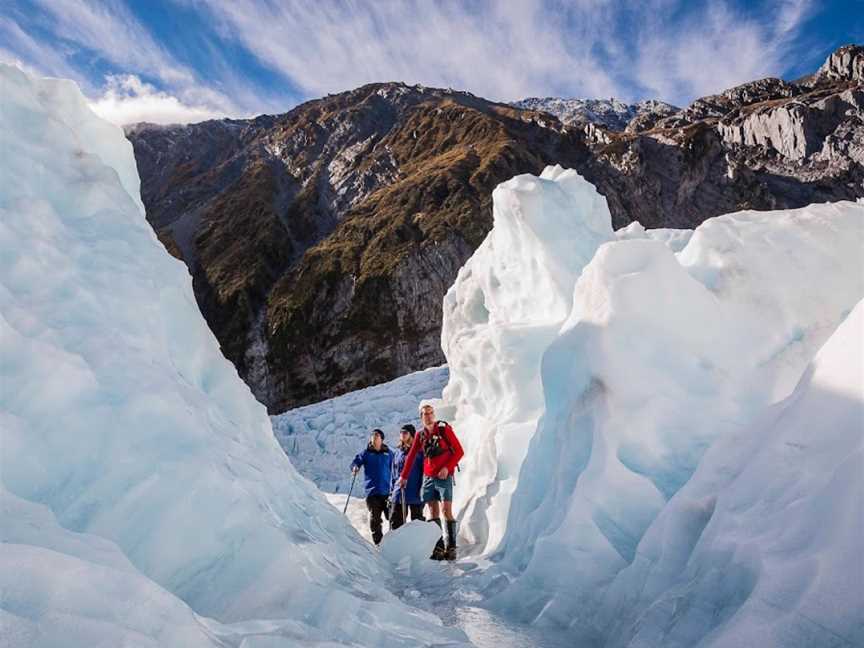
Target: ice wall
{"type": "Point", "coordinates": [506, 306]}
{"type": "Point", "coordinates": [662, 355]}
{"type": "Point", "coordinates": [763, 543]}
{"type": "Point", "coordinates": [152, 468]}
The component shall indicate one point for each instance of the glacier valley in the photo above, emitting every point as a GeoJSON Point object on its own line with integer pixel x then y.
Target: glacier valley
{"type": "Point", "coordinates": [663, 430]}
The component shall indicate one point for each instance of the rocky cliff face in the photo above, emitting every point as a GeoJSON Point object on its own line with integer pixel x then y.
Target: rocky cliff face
{"type": "Point", "coordinates": [769, 144]}
{"type": "Point", "coordinates": [321, 241]}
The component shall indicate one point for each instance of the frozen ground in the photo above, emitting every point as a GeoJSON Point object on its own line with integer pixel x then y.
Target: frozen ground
{"type": "Point", "coordinates": [454, 593]}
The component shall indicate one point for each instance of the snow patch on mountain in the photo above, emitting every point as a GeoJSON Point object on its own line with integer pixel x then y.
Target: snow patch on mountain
{"type": "Point", "coordinates": [611, 113]}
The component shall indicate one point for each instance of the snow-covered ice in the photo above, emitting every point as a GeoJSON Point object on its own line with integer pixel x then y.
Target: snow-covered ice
{"type": "Point", "coordinates": [321, 439]}
{"type": "Point", "coordinates": [145, 498]}
{"type": "Point", "coordinates": [411, 544]}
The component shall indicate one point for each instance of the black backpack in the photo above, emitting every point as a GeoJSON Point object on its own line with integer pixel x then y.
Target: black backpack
{"type": "Point", "coordinates": [431, 447]}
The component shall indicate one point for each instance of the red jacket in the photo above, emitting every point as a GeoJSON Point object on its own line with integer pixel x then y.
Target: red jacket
{"type": "Point", "coordinates": [450, 456]}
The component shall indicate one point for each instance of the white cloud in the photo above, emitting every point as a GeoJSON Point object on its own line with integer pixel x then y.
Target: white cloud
{"type": "Point", "coordinates": [499, 49]}
{"type": "Point", "coordinates": [110, 31]}
{"type": "Point", "coordinates": [127, 99]}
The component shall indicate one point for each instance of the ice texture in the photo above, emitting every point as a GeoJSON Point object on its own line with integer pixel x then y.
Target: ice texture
{"type": "Point", "coordinates": [321, 439]}
{"type": "Point", "coordinates": [145, 498]}
{"type": "Point", "coordinates": [505, 308]}
{"type": "Point", "coordinates": [764, 542]}
{"type": "Point", "coordinates": [588, 393]}
{"type": "Point", "coordinates": [410, 544]}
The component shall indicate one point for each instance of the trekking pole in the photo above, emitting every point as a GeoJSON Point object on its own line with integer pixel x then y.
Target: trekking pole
{"type": "Point", "coordinates": [392, 490]}
{"type": "Point", "coordinates": [392, 507]}
{"type": "Point", "coordinates": [404, 508]}
{"type": "Point", "coordinates": [353, 479]}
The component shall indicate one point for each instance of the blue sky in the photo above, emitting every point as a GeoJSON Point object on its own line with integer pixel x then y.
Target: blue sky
{"type": "Point", "coordinates": [187, 60]}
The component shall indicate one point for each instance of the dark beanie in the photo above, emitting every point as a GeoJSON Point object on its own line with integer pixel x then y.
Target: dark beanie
{"type": "Point", "coordinates": [409, 428]}
{"type": "Point", "coordinates": [379, 433]}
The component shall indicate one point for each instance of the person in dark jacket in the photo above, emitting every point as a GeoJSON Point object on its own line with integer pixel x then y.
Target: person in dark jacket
{"type": "Point", "coordinates": [411, 492]}
{"type": "Point", "coordinates": [377, 463]}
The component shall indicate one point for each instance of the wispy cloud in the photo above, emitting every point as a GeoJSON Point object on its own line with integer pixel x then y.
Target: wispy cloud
{"type": "Point", "coordinates": [496, 49]}
{"type": "Point", "coordinates": [107, 31]}
{"type": "Point", "coordinates": [510, 49]}
{"type": "Point", "coordinates": [111, 30]}
{"type": "Point", "coordinates": [716, 49]}
{"type": "Point", "coordinates": [21, 49]}
{"type": "Point", "coordinates": [238, 57]}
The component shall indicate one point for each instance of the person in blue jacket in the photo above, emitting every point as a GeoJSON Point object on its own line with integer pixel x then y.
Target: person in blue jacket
{"type": "Point", "coordinates": [411, 492]}
{"type": "Point", "coordinates": [377, 463]}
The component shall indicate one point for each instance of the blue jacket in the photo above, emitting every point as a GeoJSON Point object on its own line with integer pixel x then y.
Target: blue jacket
{"type": "Point", "coordinates": [376, 469]}
{"type": "Point", "coordinates": [415, 477]}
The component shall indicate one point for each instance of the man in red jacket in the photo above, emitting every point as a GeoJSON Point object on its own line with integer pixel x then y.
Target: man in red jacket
{"type": "Point", "coordinates": [441, 453]}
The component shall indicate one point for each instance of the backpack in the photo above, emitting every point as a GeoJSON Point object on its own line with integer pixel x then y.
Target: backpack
{"type": "Point", "coordinates": [431, 448]}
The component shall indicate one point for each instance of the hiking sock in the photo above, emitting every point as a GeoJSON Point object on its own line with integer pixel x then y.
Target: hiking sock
{"type": "Point", "coordinates": [450, 553]}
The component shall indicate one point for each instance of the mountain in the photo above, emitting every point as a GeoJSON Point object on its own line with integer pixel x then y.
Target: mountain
{"type": "Point", "coordinates": [322, 241]}
{"type": "Point", "coordinates": [610, 113]}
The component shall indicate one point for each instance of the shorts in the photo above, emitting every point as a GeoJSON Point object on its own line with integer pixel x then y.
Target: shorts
{"type": "Point", "coordinates": [437, 490]}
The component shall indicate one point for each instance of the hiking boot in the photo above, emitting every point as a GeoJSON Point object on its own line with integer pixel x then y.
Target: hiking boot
{"type": "Point", "coordinates": [450, 551]}
{"type": "Point", "coordinates": [438, 553]}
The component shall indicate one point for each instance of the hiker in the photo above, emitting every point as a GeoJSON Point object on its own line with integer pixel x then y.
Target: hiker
{"type": "Point", "coordinates": [441, 454]}
{"type": "Point", "coordinates": [411, 492]}
{"type": "Point", "coordinates": [377, 460]}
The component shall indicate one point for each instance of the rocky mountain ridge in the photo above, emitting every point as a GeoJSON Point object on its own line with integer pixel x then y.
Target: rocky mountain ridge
{"type": "Point", "coordinates": [321, 241]}
{"type": "Point", "coordinates": [611, 113]}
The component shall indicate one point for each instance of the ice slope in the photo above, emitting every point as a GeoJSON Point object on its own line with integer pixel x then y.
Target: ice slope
{"type": "Point", "coordinates": [59, 588]}
{"type": "Point", "coordinates": [763, 544]}
{"type": "Point", "coordinates": [322, 439]}
{"type": "Point", "coordinates": [164, 482]}
{"type": "Point", "coordinates": [658, 355]}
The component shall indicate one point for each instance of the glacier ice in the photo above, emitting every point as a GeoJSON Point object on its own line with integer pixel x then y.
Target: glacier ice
{"type": "Point", "coordinates": [321, 439]}
{"type": "Point", "coordinates": [506, 306]}
{"type": "Point", "coordinates": [588, 394]}
{"type": "Point", "coordinates": [764, 540]}
{"type": "Point", "coordinates": [131, 441]}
